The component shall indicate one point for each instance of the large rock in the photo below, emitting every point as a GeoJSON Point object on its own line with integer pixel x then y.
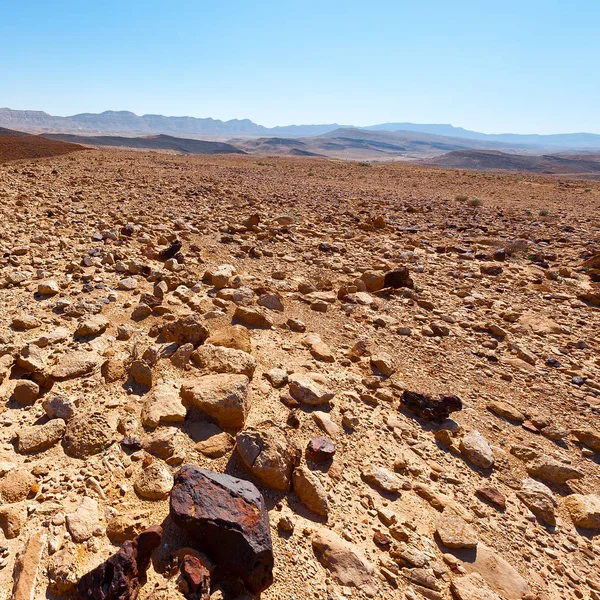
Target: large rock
{"type": "Point", "coordinates": [382, 478]}
{"type": "Point", "coordinates": [454, 531]}
{"type": "Point", "coordinates": [550, 470]}
{"type": "Point", "coordinates": [253, 317]}
{"type": "Point", "coordinates": [84, 520]}
{"type": "Point", "coordinates": [305, 389]}
{"type": "Point", "coordinates": [88, 434]}
{"type": "Point", "coordinates": [228, 520]}
{"type": "Point", "coordinates": [476, 449]}
{"type": "Point", "coordinates": [428, 408]}
{"type": "Point", "coordinates": [27, 566]}
{"type": "Point", "coordinates": [75, 364]}
{"type": "Point", "coordinates": [122, 575]}
{"type": "Point", "coordinates": [588, 437]}
{"type": "Point", "coordinates": [584, 510]}
{"type": "Point", "coordinates": [220, 359]}
{"type": "Point", "coordinates": [472, 587]}
{"type": "Point", "coordinates": [163, 405]}
{"type": "Point", "coordinates": [310, 491]}
{"type": "Point", "coordinates": [16, 485]}
{"type": "Point", "coordinates": [92, 325]}
{"type": "Point", "coordinates": [346, 563]}
{"type": "Point", "coordinates": [186, 330]}
{"type": "Point", "coordinates": [223, 397]}
{"type": "Point", "coordinates": [40, 437]}
{"type": "Point", "coordinates": [269, 455]}
{"type": "Point", "coordinates": [539, 500]}
{"type": "Point", "coordinates": [231, 336]}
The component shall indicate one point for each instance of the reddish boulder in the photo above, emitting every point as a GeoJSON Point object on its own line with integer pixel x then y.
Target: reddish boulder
{"type": "Point", "coordinates": [228, 520]}
{"type": "Point", "coordinates": [429, 408]}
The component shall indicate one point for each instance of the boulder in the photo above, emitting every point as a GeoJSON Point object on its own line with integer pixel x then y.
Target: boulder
{"type": "Point", "coordinates": [87, 434]}
{"type": "Point", "coordinates": [269, 455]}
{"type": "Point", "coordinates": [476, 449]}
{"type": "Point", "coordinates": [227, 518]}
{"type": "Point", "coordinates": [40, 437]}
{"type": "Point", "coordinates": [163, 405]}
{"type": "Point", "coordinates": [584, 510]}
{"type": "Point", "coordinates": [539, 499]}
{"type": "Point", "coordinates": [220, 359]}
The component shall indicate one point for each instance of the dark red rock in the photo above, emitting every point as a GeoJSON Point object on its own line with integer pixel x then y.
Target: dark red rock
{"type": "Point", "coordinates": [127, 230]}
{"type": "Point", "coordinates": [398, 278]}
{"type": "Point", "coordinates": [320, 449]}
{"type": "Point", "coordinates": [491, 270]}
{"type": "Point", "coordinates": [228, 520]}
{"type": "Point", "coordinates": [121, 576]}
{"type": "Point", "coordinates": [493, 496]}
{"type": "Point", "coordinates": [293, 420]}
{"type": "Point", "coordinates": [195, 578]}
{"type": "Point", "coordinates": [382, 540]}
{"type": "Point", "coordinates": [171, 251]}
{"type": "Point", "coordinates": [429, 408]}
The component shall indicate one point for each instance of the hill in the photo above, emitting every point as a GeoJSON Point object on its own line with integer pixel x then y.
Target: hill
{"type": "Point", "coordinates": [489, 160]}
{"type": "Point", "coordinates": [157, 142]}
{"type": "Point", "coordinates": [128, 123]}
{"type": "Point", "coordinates": [16, 145]}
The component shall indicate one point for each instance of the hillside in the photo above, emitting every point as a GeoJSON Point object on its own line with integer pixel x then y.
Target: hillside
{"type": "Point", "coordinates": [157, 142]}
{"type": "Point", "coordinates": [489, 160]}
{"type": "Point", "coordinates": [15, 145]}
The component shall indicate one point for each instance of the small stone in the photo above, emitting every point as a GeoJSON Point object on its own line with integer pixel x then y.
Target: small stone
{"type": "Point", "coordinates": [59, 407]}
{"type": "Point", "coordinates": [310, 491]}
{"type": "Point", "coordinates": [477, 450]}
{"type": "Point", "coordinates": [384, 363]}
{"type": "Point", "coordinates": [320, 450]}
{"type": "Point", "coordinates": [539, 500]}
{"type": "Point", "coordinates": [584, 510]}
{"type": "Point", "coordinates": [93, 325]}
{"type": "Point", "coordinates": [162, 405]}
{"type": "Point", "coordinates": [305, 389]}
{"type": "Point", "coordinates": [48, 288]}
{"type": "Point", "coordinates": [87, 434]}
{"type": "Point", "coordinates": [82, 523]}
{"type": "Point", "coordinates": [26, 392]}
{"type": "Point", "coordinates": [454, 531]}
{"type": "Point", "coordinates": [154, 482]}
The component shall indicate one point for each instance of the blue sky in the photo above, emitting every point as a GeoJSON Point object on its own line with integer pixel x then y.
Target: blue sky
{"type": "Point", "coordinates": [530, 66]}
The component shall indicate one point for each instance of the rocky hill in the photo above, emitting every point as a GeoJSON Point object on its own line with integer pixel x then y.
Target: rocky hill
{"type": "Point", "coordinates": [15, 145]}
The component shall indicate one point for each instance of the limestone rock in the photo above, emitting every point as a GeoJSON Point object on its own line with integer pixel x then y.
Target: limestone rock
{"type": "Point", "coordinates": [305, 389]}
{"type": "Point", "coordinates": [477, 450]}
{"type": "Point", "coordinates": [84, 520]}
{"type": "Point", "coordinates": [75, 364]}
{"type": "Point", "coordinates": [163, 405]}
{"type": "Point", "coordinates": [154, 481]}
{"type": "Point", "coordinates": [553, 471]}
{"type": "Point", "coordinates": [87, 434]}
{"type": "Point", "coordinates": [539, 499]}
{"type": "Point", "coordinates": [220, 359]}
{"type": "Point", "coordinates": [41, 437]}
{"type": "Point", "coordinates": [310, 491]}
{"type": "Point", "coordinates": [584, 510]}
{"type": "Point", "coordinates": [454, 531]}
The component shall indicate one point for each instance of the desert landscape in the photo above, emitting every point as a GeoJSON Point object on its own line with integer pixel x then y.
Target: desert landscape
{"type": "Point", "coordinates": [239, 375]}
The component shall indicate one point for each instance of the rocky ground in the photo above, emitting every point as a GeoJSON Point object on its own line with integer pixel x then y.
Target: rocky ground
{"type": "Point", "coordinates": [404, 362]}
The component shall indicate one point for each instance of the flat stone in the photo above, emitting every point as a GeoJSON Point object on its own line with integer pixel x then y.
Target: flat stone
{"type": "Point", "coordinates": [41, 437]}
{"type": "Point", "coordinates": [454, 531]}
{"type": "Point", "coordinates": [163, 405]}
{"type": "Point", "coordinates": [75, 364]}
{"type": "Point", "coordinates": [84, 520]}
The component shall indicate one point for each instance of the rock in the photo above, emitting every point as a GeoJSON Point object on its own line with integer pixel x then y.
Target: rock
{"type": "Point", "coordinates": [128, 284]}
{"type": "Point", "coordinates": [113, 370]}
{"type": "Point", "coordinates": [270, 301]}
{"type": "Point", "coordinates": [16, 485]}
{"type": "Point", "coordinates": [320, 450]}
{"type": "Point", "coordinates": [476, 449]}
{"type": "Point", "coordinates": [373, 280]}
{"type": "Point", "coordinates": [75, 364]}
{"type": "Point", "coordinates": [87, 434]}
{"type": "Point", "coordinates": [539, 500]}
{"type": "Point", "coordinates": [429, 408]}
{"type": "Point", "coordinates": [499, 575]}
{"type": "Point", "coordinates": [472, 587]}
{"type": "Point", "coordinates": [319, 349]}
{"type": "Point", "coordinates": [493, 496]}
{"type": "Point", "coordinates": [277, 377]}
{"type": "Point", "coordinates": [310, 491]}
{"type": "Point", "coordinates": [26, 392]}
{"type": "Point", "coordinates": [305, 389]}
{"type": "Point", "coordinates": [220, 359]}
{"type": "Point", "coordinates": [551, 470]}
{"type": "Point", "coordinates": [454, 531]}
{"type": "Point", "coordinates": [384, 363]}
{"type": "Point", "coordinates": [154, 481]}
{"type": "Point", "coordinates": [194, 578]}
{"type": "Point", "coordinates": [346, 563]}
{"type": "Point", "coordinates": [48, 288]}
{"type": "Point", "coordinates": [59, 407]}
{"type": "Point", "coordinates": [398, 278]}
{"type": "Point", "coordinates": [170, 251]}
{"type": "Point", "coordinates": [506, 411]}
{"type": "Point", "coordinates": [212, 441]}
{"type": "Point", "coordinates": [162, 405]}
{"type": "Point", "coordinates": [128, 525]}
{"type": "Point", "coordinates": [181, 357]}
{"type": "Point", "coordinates": [41, 437]}
{"type": "Point", "coordinates": [92, 325]}
{"type": "Point", "coordinates": [84, 520]}
{"type": "Point", "coordinates": [588, 437]}
{"type": "Point", "coordinates": [252, 317]}
{"type": "Point", "coordinates": [141, 372]}
{"type": "Point", "coordinates": [12, 518]}
{"type": "Point", "coordinates": [269, 455]}
{"type": "Point", "coordinates": [584, 510]}
{"type": "Point", "coordinates": [167, 443]}
{"type": "Point", "coordinates": [232, 336]}
{"type": "Point", "coordinates": [186, 330]}
{"type": "Point", "coordinates": [383, 478]}
{"type": "Point", "coordinates": [63, 572]}
{"type": "Point", "coordinates": [228, 520]}
{"type": "Point", "coordinates": [324, 421]}
{"type": "Point", "coordinates": [223, 397]}
{"type": "Point", "coordinates": [220, 276]}
{"type": "Point", "coordinates": [121, 576]}
{"type": "Point", "coordinates": [27, 566]}
{"type": "Point", "coordinates": [32, 359]}
{"type": "Point", "coordinates": [25, 322]}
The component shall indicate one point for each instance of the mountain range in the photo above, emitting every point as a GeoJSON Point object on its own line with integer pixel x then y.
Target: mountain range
{"type": "Point", "coordinates": [130, 124]}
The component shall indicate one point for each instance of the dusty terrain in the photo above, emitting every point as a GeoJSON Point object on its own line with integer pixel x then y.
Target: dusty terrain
{"type": "Point", "coordinates": [15, 145]}
{"type": "Point", "coordinates": [104, 359]}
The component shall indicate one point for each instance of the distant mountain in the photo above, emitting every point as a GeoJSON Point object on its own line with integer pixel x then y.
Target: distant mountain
{"type": "Point", "coordinates": [489, 160]}
{"type": "Point", "coordinates": [156, 142]}
{"type": "Point", "coordinates": [129, 124]}
{"type": "Point", "coordinates": [559, 140]}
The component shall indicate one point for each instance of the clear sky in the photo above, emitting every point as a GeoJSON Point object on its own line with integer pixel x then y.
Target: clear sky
{"type": "Point", "coordinates": [527, 66]}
